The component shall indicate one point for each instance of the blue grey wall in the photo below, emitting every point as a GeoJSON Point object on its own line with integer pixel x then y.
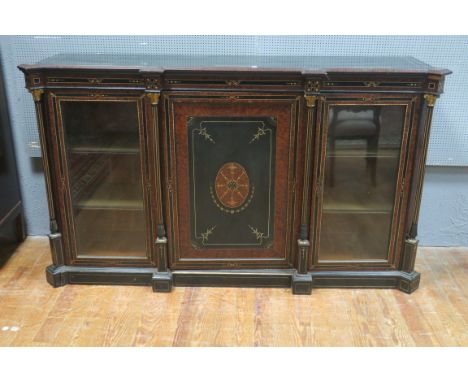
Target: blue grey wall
{"type": "Point", "coordinates": [443, 220]}
{"type": "Point", "coordinates": [444, 211]}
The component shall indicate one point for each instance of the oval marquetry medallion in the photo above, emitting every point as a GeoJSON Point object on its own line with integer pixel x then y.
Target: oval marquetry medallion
{"type": "Point", "coordinates": [232, 185]}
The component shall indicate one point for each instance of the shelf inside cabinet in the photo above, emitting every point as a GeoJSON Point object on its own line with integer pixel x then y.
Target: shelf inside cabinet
{"type": "Point", "coordinates": [362, 153]}
{"type": "Point", "coordinates": [113, 196]}
{"type": "Point", "coordinates": [350, 208]}
{"type": "Point", "coordinates": [353, 189]}
{"type": "Point", "coordinates": [115, 143]}
{"type": "Point", "coordinates": [102, 181]}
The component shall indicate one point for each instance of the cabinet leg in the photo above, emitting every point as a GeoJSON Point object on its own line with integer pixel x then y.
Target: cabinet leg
{"type": "Point", "coordinates": [56, 276]}
{"type": "Point", "coordinates": [301, 284]}
{"type": "Point", "coordinates": [409, 255]}
{"type": "Point", "coordinates": [162, 279]}
{"type": "Point", "coordinates": [409, 282]}
{"type": "Point", "coordinates": [302, 280]}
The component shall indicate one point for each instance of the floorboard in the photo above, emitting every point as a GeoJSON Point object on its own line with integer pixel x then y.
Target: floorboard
{"type": "Point", "coordinates": [32, 313]}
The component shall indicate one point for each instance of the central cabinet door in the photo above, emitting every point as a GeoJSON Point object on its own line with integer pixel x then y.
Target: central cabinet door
{"type": "Point", "coordinates": [231, 166]}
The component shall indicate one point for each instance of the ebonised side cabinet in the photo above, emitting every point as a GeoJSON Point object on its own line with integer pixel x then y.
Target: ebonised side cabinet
{"type": "Point", "coordinates": [294, 172]}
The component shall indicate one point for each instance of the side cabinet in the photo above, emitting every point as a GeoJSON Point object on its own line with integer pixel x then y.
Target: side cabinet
{"type": "Point", "coordinates": [231, 174]}
{"type": "Point", "coordinates": [214, 176]}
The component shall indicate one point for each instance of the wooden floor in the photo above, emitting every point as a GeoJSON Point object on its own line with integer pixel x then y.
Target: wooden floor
{"type": "Point", "coordinates": [34, 314]}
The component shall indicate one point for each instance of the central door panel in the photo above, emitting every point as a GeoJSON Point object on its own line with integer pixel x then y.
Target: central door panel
{"type": "Point", "coordinates": [232, 173]}
{"type": "Point", "coordinates": [230, 167]}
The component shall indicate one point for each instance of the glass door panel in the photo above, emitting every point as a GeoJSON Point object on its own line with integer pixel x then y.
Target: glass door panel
{"type": "Point", "coordinates": [103, 157]}
{"type": "Point", "coordinates": [360, 180]}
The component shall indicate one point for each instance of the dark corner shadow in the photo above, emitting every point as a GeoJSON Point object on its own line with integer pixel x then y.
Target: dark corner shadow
{"type": "Point", "coordinates": [7, 249]}
{"type": "Point", "coordinates": [10, 240]}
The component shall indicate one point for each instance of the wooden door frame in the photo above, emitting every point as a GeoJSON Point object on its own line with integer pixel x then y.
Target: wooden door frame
{"type": "Point", "coordinates": [409, 132]}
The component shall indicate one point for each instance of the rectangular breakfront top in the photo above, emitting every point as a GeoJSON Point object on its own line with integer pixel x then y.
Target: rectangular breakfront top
{"type": "Point", "coordinates": [308, 74]}
{"type": "Point", "coordinates": [302, 64]}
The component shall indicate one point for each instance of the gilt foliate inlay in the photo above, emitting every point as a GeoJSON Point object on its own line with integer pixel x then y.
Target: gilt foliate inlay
{"type": "Point", "coordinates": [232, 172]}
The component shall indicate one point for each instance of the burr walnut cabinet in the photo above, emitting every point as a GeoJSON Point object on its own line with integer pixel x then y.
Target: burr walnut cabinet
{"type": "Point", "coordinates": [258, 171]}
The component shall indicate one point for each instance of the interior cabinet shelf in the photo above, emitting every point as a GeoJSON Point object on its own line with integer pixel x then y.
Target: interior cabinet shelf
{"type": "Point", "coordinates": [104, 204]}
{"type": "Point", "coordinates": [356, 209]}
{"type": "Point", "coordinates": [109, 195]}
{"type": "Point", "coordinates": [359, 153]}
{"type": "Point", "coordinates": [120, 144]}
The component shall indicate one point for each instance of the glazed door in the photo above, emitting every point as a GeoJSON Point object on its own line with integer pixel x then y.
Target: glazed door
{"type": "Point", "coordinates": [361, 181]}
{"type": "Point", "coordinates": [230, 175]}
{"type": "Point", "coordinates": [102, 155]}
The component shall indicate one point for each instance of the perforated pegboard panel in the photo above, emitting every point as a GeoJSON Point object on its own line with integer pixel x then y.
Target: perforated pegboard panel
{"type": "Point", "coordinates": [449, 137]}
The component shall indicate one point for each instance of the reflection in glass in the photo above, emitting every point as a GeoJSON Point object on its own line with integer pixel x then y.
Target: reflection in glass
{"type": "Point", "coordinates": [361, 169]}
{"type": "Point", "coordinates": [105, 177]}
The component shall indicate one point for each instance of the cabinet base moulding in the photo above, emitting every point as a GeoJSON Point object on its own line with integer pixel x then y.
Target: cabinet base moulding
{"type": "Point", "coordinates": [287, 278]}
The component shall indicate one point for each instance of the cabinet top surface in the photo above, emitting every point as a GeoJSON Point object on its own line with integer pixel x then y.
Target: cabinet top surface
{"type": "Point", "coordinates": [303, 64]}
